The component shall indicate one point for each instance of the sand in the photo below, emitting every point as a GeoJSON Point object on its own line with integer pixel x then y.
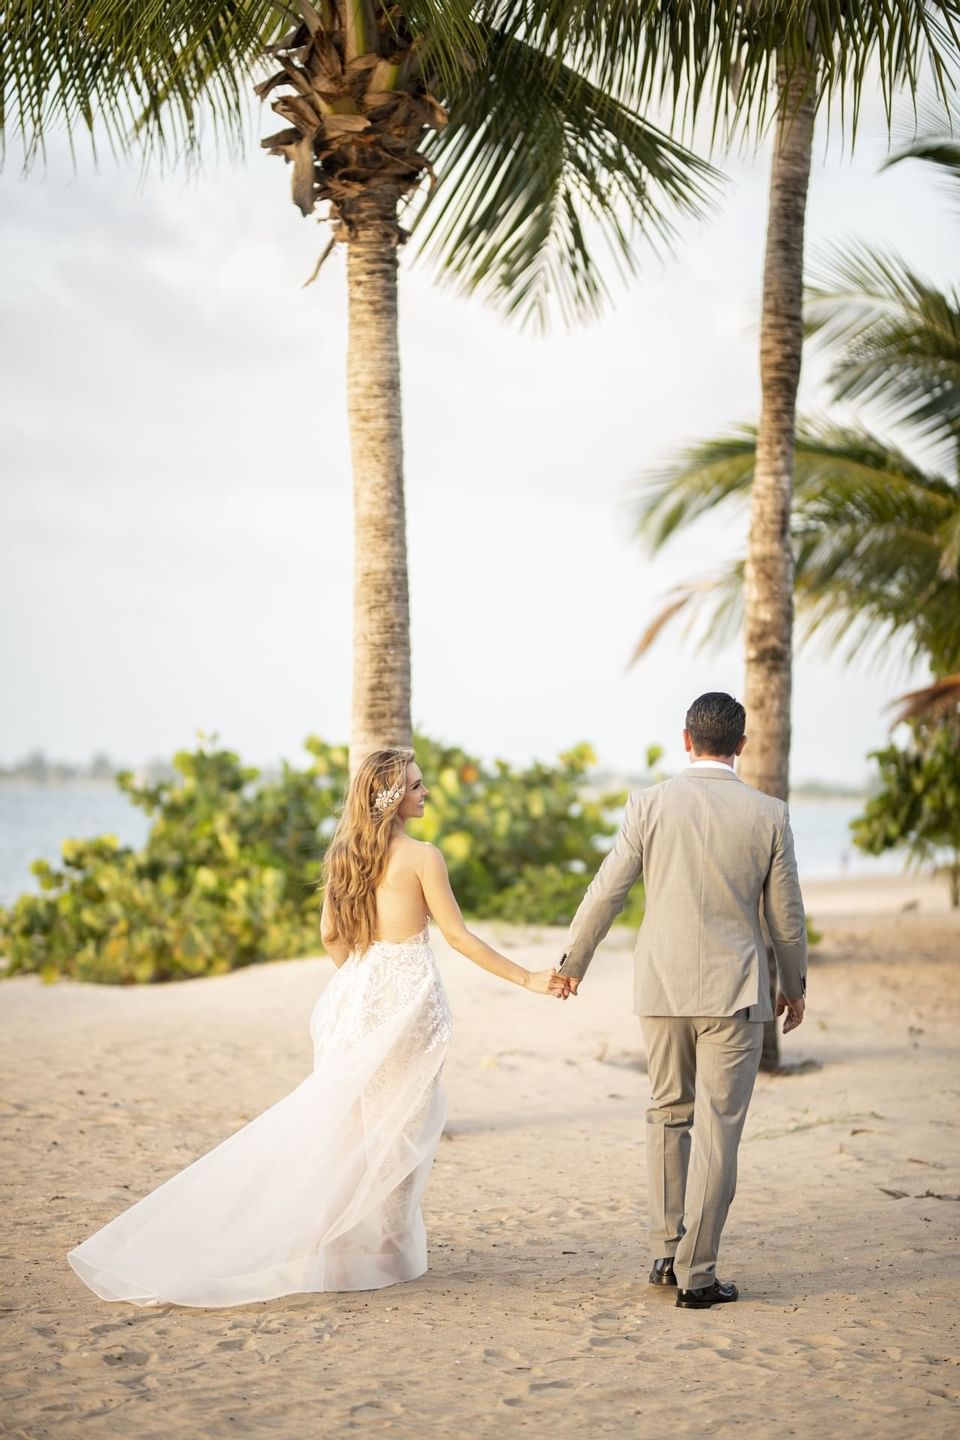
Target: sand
{"type": "Point", "coordinates": [535, 1317]}
{"type": "Point", "coordinates": [876, 895]}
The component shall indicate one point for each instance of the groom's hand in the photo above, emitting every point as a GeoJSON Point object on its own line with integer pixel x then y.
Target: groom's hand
{"type": "Point", "coordinates": [571, 984]}
{"type": "Point", "coordinates": [794, 1009]}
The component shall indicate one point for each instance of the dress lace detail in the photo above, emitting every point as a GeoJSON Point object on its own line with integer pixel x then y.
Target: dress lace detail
{"type": "Point", "coordinates": [322, 1191]}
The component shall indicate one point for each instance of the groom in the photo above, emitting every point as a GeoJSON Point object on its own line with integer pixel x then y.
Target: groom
{"type": "Point", "coordinates": [717, 861]}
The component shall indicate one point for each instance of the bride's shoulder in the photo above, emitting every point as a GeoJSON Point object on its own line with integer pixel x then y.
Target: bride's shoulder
{"type": "Point", "coordinates": [417, 852]}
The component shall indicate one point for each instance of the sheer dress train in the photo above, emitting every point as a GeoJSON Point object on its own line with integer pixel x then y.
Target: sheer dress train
{"type": "Point", "coordinates": [323, 1190]}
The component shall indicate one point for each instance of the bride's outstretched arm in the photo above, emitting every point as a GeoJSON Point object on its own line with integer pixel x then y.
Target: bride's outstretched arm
{"type": "Point", "coordinates": [442, 905]}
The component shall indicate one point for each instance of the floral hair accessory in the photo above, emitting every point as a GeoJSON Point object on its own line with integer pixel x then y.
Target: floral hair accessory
{"type": "Point", "coordinates": [386, 799]}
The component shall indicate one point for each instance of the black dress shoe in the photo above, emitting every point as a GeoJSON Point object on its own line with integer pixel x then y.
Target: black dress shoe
{"type": "Point", "coordinates": [719, 1293]}
{"type": "Point", "coordinates": [662, 1272]}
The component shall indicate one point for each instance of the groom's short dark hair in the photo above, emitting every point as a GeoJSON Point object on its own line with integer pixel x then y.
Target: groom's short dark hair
{"type": "Point", "coordinates": [716, 723]}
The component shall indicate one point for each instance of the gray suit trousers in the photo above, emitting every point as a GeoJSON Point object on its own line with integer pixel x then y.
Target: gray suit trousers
{"type": "Point", "coordinates": [702, 1072]}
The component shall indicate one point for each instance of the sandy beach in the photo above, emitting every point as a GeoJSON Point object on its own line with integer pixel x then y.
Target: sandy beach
{"type": "Point", "coordinates": [535, 1317]}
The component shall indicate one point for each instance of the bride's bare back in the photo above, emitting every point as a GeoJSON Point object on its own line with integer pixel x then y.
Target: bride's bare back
{"type": "Point", "coordinates": [401, 907]}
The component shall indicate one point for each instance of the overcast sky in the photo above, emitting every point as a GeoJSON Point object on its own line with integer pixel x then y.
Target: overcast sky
{"type": "Point", "coordinates": [176, 485]}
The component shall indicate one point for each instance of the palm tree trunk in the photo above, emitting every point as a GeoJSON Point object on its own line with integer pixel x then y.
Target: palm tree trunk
{"type": "Point", "coordinates": [381, 643]}
{"type": "Point", "coordinates": [769, 568]}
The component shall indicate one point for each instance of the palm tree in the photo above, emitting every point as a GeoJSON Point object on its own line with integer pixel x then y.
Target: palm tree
{"type": "Point", "coordinates": [487, 102]}
{"type": "Point", "coordinates": [804, 55]}
{"type": "Point", "coordinates": [874, 537]}
{"type": "Point", "coordinates": [875, 534]}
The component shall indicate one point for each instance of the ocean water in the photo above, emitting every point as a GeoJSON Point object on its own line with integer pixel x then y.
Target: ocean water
{"type": "Point", "coordinates": [34, 819]}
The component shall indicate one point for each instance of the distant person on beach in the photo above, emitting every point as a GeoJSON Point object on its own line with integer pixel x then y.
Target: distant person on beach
{"type": "Point", "coordinates": [717, 861]}
{"type": "Point", "coordinates": [322, 1191]}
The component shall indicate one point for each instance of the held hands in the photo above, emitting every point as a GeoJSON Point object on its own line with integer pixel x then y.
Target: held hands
{"type": "Point", "coordinates": [794, 1009]}
{"type": "Point", "coordinates": [550, 982]}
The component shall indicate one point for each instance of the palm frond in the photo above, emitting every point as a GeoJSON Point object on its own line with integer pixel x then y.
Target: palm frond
{"type": "Point", "coordinates": [903, 44]}
{"type": "Point", "coordinates": [143, 74]}
{"type": "Point", "coordinates": [869, 533]}
{"type": "Point", "coordinates": [942, 152]}
{"type": "Point", "coordinates": [715, 603]}
{"type": "Point", "coordinates": [153, 73]}
{"type": "Point", "coordinates": [932, 702]}
{"type": "Point", "coordinates": [876, 539]}
{"type": "Point", "coordinates": [726, 56]}
{"type": "Point", "coordinates": [697, 480]}
{"type": "Point", "coordinates": [537, 166]}
{"type": "Point", "coordinates": [935, 140]}
{"type": "Point", "coordinates": [688, 56]}
{"type": "Point", "coordinates": [898, 339]}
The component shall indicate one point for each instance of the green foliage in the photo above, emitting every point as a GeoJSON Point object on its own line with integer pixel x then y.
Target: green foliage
{"type": "Point", "coordinates": [519, 844]}
{"type": "Point", "coordinates": [918, 806]}
{"type": "Point", "coordinates": [228, 874]}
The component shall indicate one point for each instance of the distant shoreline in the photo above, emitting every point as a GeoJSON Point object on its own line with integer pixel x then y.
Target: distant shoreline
{"type": "Point", "coordinates": [812, 790]}
{"type": "Point", "coordinates": [71, 782]}
{"type": "Point", "coordinates": [826, 792]}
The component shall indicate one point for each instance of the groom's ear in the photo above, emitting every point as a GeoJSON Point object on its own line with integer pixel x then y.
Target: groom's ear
{"type": "Point", "coordinates": [741, 743]}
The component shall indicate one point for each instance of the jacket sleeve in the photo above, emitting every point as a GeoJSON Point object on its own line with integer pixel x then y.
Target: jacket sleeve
{"type": "Point", "coordinates": [783, 911]}
{"type": "Point", "coordinates": [605, 896]}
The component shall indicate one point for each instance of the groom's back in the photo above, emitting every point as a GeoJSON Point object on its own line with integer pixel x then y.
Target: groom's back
{"type": "Point", "coordinates": [709, 845]}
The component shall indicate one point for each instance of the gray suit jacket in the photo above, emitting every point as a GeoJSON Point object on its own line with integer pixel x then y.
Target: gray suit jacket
{"type": "Point", "coordinates": [710, 850]}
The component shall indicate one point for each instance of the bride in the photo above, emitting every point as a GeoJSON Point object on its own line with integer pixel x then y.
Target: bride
{"type": "Point", "coordinates": [322, 1191]}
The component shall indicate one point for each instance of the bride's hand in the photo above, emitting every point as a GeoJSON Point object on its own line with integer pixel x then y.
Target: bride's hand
{"type": "Point", "coordinates": [548, 982]}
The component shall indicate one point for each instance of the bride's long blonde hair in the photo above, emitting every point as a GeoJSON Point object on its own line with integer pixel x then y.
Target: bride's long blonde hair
{"type": "Point", "coordinates": [357, 854]}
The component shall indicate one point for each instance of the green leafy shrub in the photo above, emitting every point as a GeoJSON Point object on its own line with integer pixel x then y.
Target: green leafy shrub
{"type": "Point", "coordinates": [918, 805]}
{"type": "Point", "coordinates": [228, 874]}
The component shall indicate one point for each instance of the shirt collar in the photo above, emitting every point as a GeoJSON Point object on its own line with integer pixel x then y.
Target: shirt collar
{"type": "Point", "coordinates": [713, 765]}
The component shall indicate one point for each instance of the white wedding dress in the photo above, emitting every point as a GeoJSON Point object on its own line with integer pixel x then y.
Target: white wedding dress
{"type": "Point", "coordinates": [320, 1192]}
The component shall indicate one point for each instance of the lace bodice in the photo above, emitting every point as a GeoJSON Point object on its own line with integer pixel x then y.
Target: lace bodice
{"type": "Point", "coordinates": [393, 976]}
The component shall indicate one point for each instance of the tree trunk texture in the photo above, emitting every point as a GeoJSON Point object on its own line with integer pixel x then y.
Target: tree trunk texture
{"type": "Point", "coordinates": [381, 611]}
{"type": "Point", "coordinates": [769, 567]}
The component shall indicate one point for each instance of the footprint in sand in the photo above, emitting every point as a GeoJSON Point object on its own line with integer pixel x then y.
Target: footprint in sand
{"type": "Point", "coordinates": [120, 1355]}
{"type": "Point", "coordinates": [608, 1343]}
{"type": "Point", "coordinates": [826, 1341]}
{"type": "Point", "coordinates": [505, 1360]}
{"type": "Point", "coordinates": [795, 1354]}
{"type": "Point", "coordinates": [815, 1352]}
{"type": "Point", "coordinates": [724, 1345]}
{"type": "Point", "coordinates": [372, 1410]}
{"type": "Point", "coordinates": [545, 1387]}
